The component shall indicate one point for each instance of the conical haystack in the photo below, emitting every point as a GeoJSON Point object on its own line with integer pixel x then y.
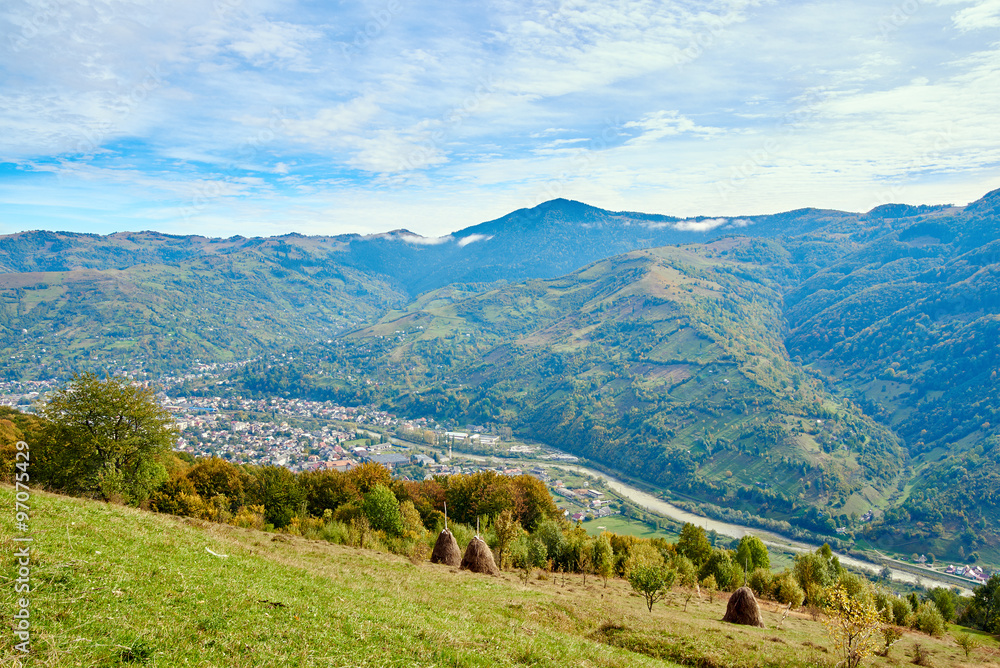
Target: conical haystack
{"type": "Point", "coordinates": [446, 550]}
{"type": "Point", "coordinates": [478, 558]}
{"type": "Point", "coordinates": [743, 609]}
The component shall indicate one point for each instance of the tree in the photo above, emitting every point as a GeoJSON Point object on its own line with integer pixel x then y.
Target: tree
{"type": "Point", "coordinates": [816, 571]}
{"type": "Point", "coordinates": [652, 582]}
{"type": "Point", "coordinates": [694, 544]}
{"type": "Point", "coordinates": [106, 437]}
{"type": "Point", "coordinates": [214, 476]}
{"type": "Point", "coordinates": [532, 501]}
{"type": "Point", "coordinates": [946, 601]}
{"type": "Point", "coordinates": [278, 491]}
{"type": "Point", "coordinates": [967, 643]}
{"type": "Point", "coordinates": [585, 556]}
{"type": "Point", "coordinates": [853, 625]}
{"type": "Point", "coordinates": [550, 535]}
{"type": "Point", "coordinates": [722, 565]}
{"type": "Point", "coordinates": [604, 558]}
{"type": "Point", "coordinates": [984, 611]}
{"type": "Point", "coordinates": [752, 554]}
{"type": "Point", "coordinates": [507, 529]}
{"type": "Point", "coordinates": [382, 510]}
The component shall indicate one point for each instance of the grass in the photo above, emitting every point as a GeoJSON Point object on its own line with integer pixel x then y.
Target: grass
{"type": "Point", "coordinates": [626, 526]}
{"type": "Point", "coordinates": [118, 586]}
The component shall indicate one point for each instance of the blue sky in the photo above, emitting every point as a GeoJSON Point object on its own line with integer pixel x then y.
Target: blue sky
{"type": "Point", "coordinates": [224, 117]}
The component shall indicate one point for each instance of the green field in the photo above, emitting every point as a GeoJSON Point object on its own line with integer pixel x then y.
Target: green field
{"type": "Point", "coordinates": [119, 586]}
{"type": "Point", "coordinates": [627, 527]}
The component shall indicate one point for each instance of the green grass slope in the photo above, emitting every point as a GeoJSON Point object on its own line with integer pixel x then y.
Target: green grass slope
{"type": "Point", "coordinates": [118, 586]}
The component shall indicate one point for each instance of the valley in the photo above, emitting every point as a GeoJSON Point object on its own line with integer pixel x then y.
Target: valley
{"type": "Point", "coordinates": [806, 369]}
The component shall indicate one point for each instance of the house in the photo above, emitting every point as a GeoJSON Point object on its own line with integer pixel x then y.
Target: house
{"type": "Point", "coordinates": [579, 517]}
{"type": "Point", "coordinates": [341, 465]}
{"type": "Point", "coordinates": [390, 460]}
{"type": "Point", "coordinates": [422, 460]}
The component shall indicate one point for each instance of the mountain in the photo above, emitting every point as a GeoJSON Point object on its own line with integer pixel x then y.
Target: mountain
{"type": "Point", "coordinates": [148, 301]}
{"type": "Point", "coordinates": [859, 349]}
{"type": "Point", "coordinates": [158, 302]}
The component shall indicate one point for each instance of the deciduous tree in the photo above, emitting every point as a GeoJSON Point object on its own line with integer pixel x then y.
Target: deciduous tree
{"type": "Point", "coordinates": [105, 436]}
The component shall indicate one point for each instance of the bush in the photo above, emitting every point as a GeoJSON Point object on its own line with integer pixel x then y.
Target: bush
{"type": "Point", "coordinates": [249, 517]}
{"type": "Point", "coordinates": [334, 532]}
{"type": "Point", "coordinates": [853, 625]}
{"type": "Point", "coordinates": [382, 510]}
{"type": "Point", "coordinates": [883, 603]}
{"type": "Point", "coordinates": [787, 590]}
{"type": "Point", "coordinates": [463, 533]}
{"type": "Point", "coordinates": [928, 619]}
{"type": "Point", "coordinates": [762, 583]}
{"type": "Point", "coordinates": [901, 610]}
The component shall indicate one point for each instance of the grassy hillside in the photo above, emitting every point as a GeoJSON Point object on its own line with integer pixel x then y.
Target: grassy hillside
{"type": "Point", "coordinates": [118, 586]}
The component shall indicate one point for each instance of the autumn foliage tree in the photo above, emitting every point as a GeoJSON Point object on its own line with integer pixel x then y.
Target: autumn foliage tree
{"type": "Point", "coordinates": [853, 623]}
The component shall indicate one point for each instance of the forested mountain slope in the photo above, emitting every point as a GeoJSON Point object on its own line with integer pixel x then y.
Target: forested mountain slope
{"type": "Point", "coordinates": [667, 363]}
{"type": "Point", "coordinates": [808, 366]}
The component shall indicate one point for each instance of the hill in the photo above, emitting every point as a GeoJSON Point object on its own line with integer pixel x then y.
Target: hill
{"type": "Point", "coordinates": [157, 303]}
{"type": "Point", "coordinates": [119, 586]}
{"type": "Point", "coordinates": [667, 364]}
{"type": "Point", "coordinates": [907, 325]}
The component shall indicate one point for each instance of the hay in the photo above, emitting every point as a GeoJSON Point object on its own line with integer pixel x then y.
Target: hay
{"type": "Point", "coordinates": [743, 609]}
{"type": "Point", "coordinates": [446, 550]}
{"type": "Point", "coordinates": [478, 558]}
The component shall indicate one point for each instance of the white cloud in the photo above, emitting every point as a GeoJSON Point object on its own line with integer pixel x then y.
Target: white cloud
{"type": "Point", "coordinates": [700, 225]}
{"type": "Point", "coordinates": [260, 116]}
{"type": "Point", "coordinates": [660, 124]}
{"type": "Point", "coordinates": [424, 241]}
{"type": "Point", "coordinates": [473, 238]}
{"type": "Point", "coordinates": [984, 14]}
{"type": "Point", "coordinates": [276, 43]}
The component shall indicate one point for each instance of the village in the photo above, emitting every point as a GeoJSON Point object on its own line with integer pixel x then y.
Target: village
{"type": "Point", "coordinates": [310, 435]}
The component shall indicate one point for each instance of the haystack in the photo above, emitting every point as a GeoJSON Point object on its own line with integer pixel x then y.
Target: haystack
{"type": "Point", "coordinates": [446, 550]}
{"type": "Point", "coordinates": [478, 558]}
{"type": "Point", "coordinates": [743, 609]}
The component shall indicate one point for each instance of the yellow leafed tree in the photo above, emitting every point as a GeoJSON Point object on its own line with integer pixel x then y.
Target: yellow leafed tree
{"type": "Point", "coordinates": [853, 624]}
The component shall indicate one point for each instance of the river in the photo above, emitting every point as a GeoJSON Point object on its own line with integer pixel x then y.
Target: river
{"type": "Point", "coordinates": [653, 504]}
{"type": "Point", "coordinates": [661, 507]}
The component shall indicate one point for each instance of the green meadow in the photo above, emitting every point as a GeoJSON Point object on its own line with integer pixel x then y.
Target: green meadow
{"type": "Point", "coordinates": [118, 586]}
